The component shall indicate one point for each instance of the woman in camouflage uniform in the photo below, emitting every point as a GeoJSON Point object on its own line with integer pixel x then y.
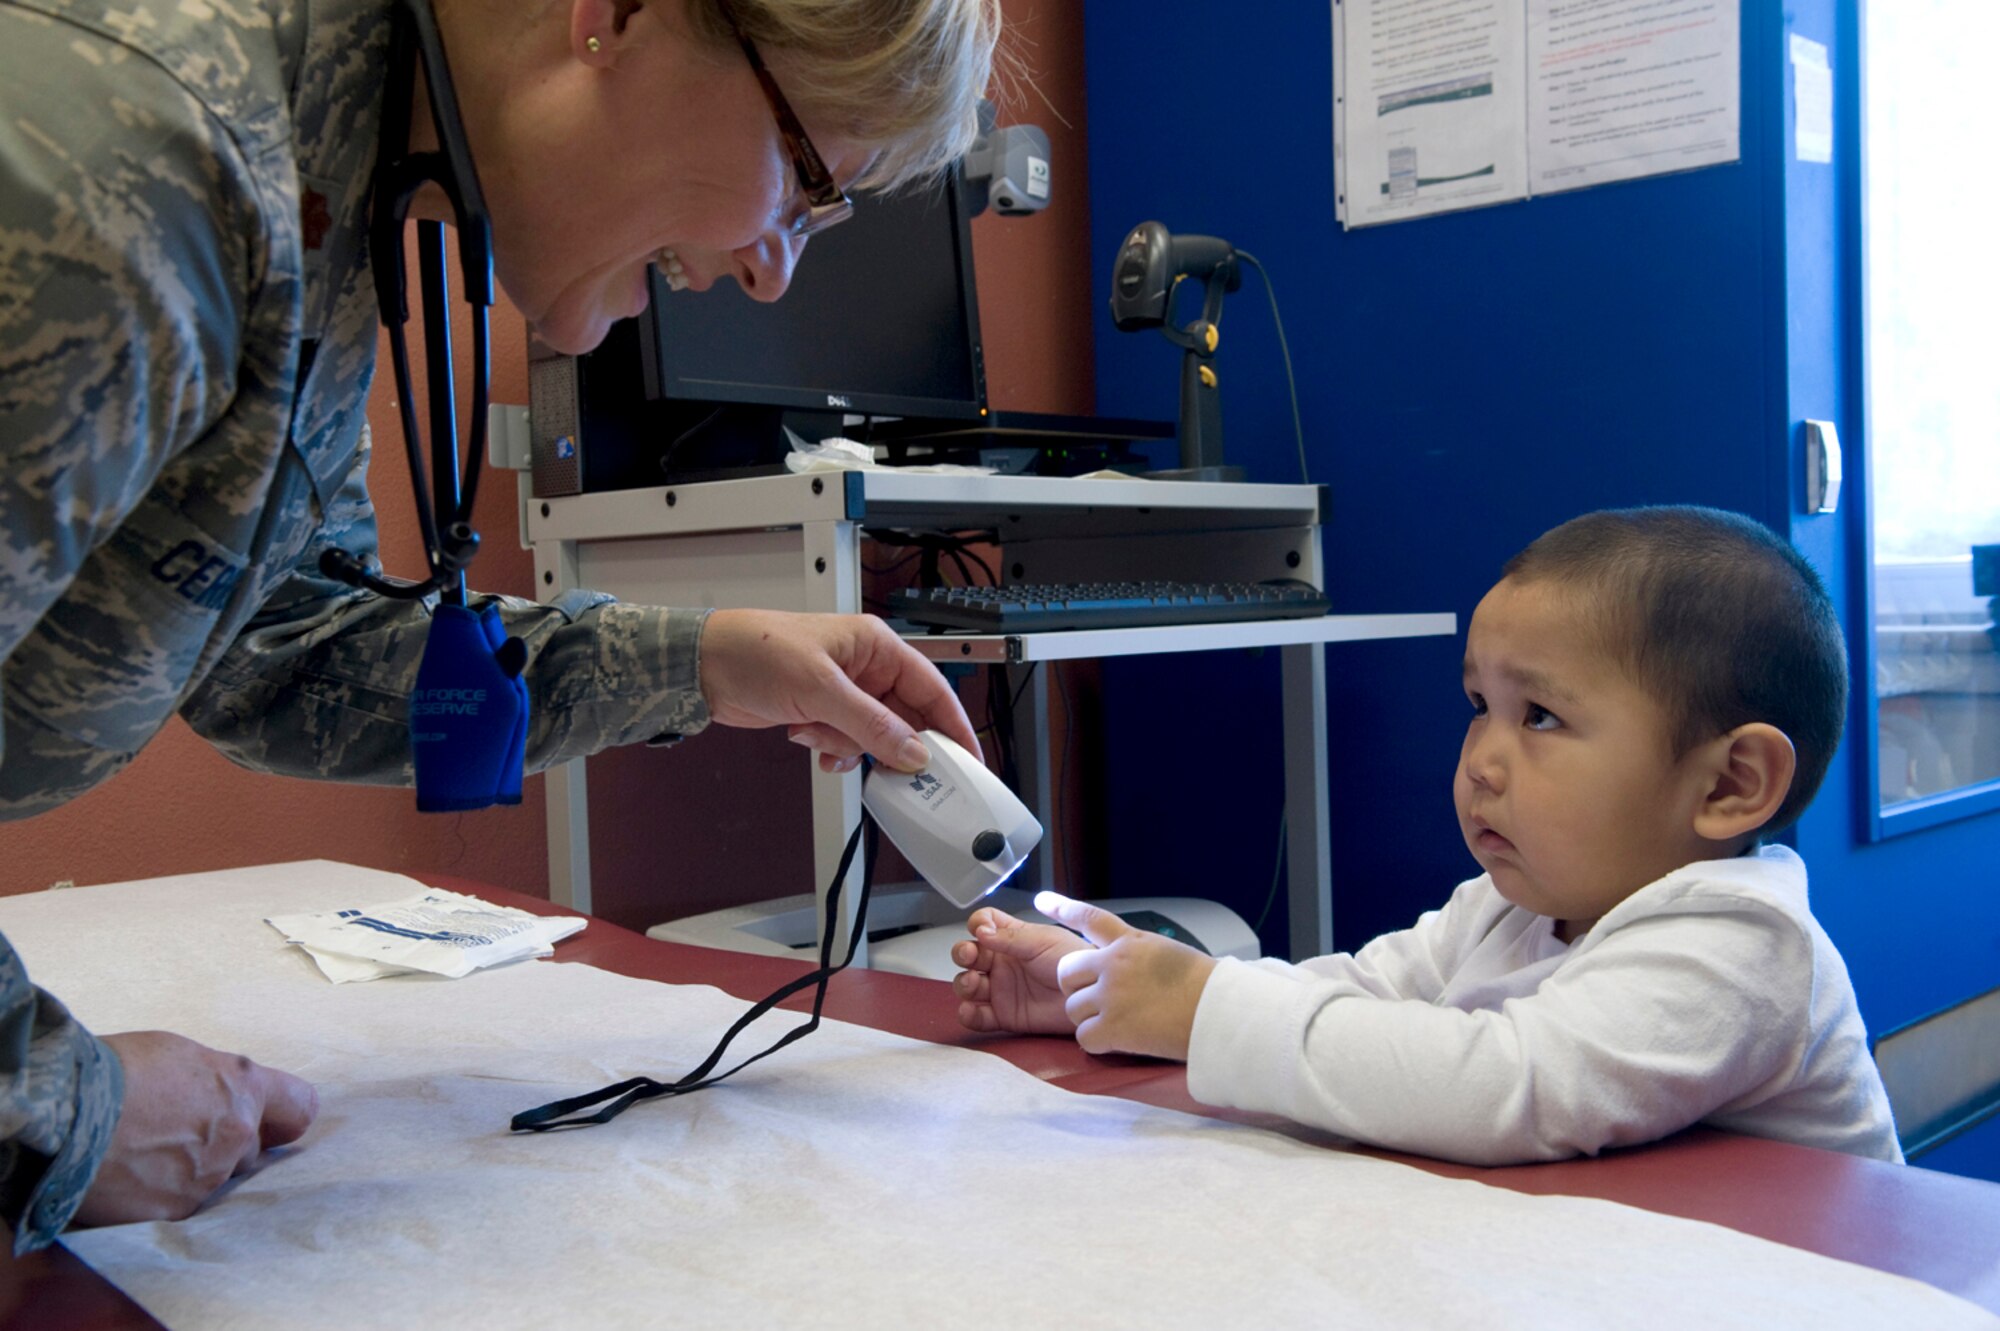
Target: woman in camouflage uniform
{"type": "Point", "coordinates": [187, 336]}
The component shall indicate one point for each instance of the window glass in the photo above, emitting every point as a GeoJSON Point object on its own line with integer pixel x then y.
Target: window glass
{"type": "Point", "coordinates": [1934, 391]}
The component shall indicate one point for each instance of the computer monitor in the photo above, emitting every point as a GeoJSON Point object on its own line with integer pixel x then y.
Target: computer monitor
{"type": "Point", "coordinates": [881, 320]}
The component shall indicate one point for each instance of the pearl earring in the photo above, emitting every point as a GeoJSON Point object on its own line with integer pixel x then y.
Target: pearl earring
{"type": "Point", "coordinates": [594, 45]}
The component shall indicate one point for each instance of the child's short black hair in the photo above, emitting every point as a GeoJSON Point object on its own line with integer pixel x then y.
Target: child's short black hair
{"type": "Point", "coordinates": [1717, 618]}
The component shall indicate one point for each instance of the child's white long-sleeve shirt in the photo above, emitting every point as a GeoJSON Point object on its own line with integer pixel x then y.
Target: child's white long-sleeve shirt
{"type": "Point", "coordinates": [1477, 1035]}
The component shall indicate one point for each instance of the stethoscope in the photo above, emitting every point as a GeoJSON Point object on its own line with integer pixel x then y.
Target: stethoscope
{"type": "Point", "coordinates": [444, 508]}
{"type": "Point", "coordinates": [468, 711]}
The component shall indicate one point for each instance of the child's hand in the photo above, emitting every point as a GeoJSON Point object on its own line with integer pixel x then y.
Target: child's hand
{"type": "Point", "coordinates": [1135, 992]}
{"type": "Point", "coordinates": [1009, 980]}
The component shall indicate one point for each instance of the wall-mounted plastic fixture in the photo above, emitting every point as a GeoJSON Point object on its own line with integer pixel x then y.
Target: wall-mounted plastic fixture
{"type": "Point", "coordinates": [1822, 467]}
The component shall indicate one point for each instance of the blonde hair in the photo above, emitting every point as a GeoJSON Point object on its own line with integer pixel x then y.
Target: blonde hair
{"type": "Point", "coordinates": [902, 77]}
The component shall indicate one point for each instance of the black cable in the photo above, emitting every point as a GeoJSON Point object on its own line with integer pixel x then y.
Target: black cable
{"type": "Point", "coordinates": [623, 1095]}
{"type": "Point", "coordinates": [1000, 706]}
{"type": "Point", "coordinates": [1062, 777]}
{"type": "Point", "coordinates": [1001, 711]}
{"type": "Point", "coordinates": [958, 562]}
{"type": "Point", "coordinates": [933, 547]}
{"type": "Point", "coordinates": [1284, 348]}
{"type": "Point", "coordinates": [895, 566]}
{"type": "Point", "coordinates": [995, 703]}
{"type": "Point", "coordinates": [992, 578]}
{"type": "Point", "coordinates": [1013, 725]}
{"type": "Point", "coordinates": [1277, 875]}
{"type": "Point", "coordinates": [909, 539]}
{"type": "Point", "coordinates": [667, 457]}
{"type": "Point", "coordinates": [992, 726]}
{"type": "Point", "coordinates": [1015, 701]}
{"type": "Point", "coordinates": [941, 542]}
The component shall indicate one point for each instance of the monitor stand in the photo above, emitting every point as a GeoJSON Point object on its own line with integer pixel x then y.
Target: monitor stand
{"type": "Point", "coordinates": [1024, 441]}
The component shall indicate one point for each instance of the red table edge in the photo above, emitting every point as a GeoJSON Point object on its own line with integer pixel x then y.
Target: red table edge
{"type": "Point", "coordinates": [1936, 1228]}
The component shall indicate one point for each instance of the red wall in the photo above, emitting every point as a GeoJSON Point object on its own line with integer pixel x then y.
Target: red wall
{"type": "Point", "coordinates": [181, 808]}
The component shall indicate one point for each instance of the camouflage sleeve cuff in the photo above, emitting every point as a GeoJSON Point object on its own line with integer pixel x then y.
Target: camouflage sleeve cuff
{"type": "Point", "coordinates": [58, 1106]}
{"type": "Point", "coordinates": [100, 1094]}
{"type": "Point", "coordinates": [606, 674]}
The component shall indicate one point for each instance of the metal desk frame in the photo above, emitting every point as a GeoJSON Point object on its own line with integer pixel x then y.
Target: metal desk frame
{"type": "Point", "coordinates": [794, 543]}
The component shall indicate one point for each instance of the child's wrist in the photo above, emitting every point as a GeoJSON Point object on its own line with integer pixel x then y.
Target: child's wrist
{"type": "Point", "coordinates": [1195, 983]}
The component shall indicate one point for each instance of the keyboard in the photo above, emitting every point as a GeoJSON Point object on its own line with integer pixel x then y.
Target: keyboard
{"type": "Point", "coordinates": [1029, 608]}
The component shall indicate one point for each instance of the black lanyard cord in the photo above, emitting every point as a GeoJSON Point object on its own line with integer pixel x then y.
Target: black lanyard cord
{"type": "Point", "coordinates": [623, 1095]}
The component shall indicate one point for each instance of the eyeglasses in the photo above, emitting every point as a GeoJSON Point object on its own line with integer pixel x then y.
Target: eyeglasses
{"type": "Point", "coordinates": [826, 204]}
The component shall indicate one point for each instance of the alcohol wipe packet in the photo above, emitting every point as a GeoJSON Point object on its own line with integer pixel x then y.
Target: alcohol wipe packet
{"type": "Point", "coordinates": [434, 933]}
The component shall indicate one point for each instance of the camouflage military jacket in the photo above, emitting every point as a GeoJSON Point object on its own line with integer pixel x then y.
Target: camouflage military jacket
{"type": "Point", "coordinates": [187, 335]}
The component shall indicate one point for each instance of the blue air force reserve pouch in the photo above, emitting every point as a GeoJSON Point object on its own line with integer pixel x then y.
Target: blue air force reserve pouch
{"type": "Point", "coordinates": [469, 712]}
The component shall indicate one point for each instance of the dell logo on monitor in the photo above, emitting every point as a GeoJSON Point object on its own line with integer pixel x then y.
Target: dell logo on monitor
{"type": "Point", "coordinates": [837, 400]}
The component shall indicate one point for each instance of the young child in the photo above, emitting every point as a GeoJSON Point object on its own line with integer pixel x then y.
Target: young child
{"type": "Point", "coordinates": [1654, 693]}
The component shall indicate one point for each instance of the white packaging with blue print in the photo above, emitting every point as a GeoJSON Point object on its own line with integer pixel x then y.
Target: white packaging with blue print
{"type": "Point", "coordinates": [434, 932]}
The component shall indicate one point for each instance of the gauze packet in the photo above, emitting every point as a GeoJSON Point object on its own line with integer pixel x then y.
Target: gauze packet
{"type": "Point", "coordinates": [434, 932]}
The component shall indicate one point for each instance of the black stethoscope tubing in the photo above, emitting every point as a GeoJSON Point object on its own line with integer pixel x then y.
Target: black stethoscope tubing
{"type": "Point", "coordinates": [445, 518]}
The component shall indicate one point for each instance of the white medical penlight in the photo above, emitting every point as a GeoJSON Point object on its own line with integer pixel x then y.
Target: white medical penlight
{"type": "Point", "coordinates": [954, 820]}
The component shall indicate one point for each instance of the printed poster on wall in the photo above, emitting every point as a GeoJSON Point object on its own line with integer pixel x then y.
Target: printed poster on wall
{"type": "Point", "coordinates": [1447, 104]}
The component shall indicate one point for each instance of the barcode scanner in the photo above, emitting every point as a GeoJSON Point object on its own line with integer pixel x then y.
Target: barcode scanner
{"type": "Point", "coordinates": [1152, 262]}
{"type": "Point", "coordinates": [1151, 265]}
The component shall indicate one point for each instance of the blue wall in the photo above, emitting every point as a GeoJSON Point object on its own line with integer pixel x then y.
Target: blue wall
{"type": "Point", "coordinates": [1467, 382]}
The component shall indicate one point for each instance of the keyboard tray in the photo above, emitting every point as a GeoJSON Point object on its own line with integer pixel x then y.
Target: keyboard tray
{"type": "Point", "coordinates": [1032, 608]}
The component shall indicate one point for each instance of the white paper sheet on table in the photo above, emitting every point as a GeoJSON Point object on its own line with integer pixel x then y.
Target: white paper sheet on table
{"type": "Point", "coordinates": [856, 1178]}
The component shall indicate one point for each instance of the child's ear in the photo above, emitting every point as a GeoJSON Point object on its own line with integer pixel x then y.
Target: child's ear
{"type": "Point", "coordinates": [1749, 771]}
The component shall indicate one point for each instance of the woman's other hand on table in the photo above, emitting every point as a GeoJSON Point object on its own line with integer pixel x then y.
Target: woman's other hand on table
{"type": "Point", "coordinates": [192, 1119]}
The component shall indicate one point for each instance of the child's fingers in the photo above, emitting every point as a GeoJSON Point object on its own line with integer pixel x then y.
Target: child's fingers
{"type": "Point", "coordinates": [1009, 937]}
{"type": "Point", "coordinates": [974, 985]}
{"type": "Point", "coordinates": [977, 1017]}
{"type": "Point", "coordinates": [1090, 1036]}
{"type": "Point", "coordinates": [1075, 970]}
{"type": "Point", "coordinates": [987, 918]}
{"type": "Point", "coordinates": [1098, 925]}
{"type": "Point", "coordinates": [967, 955]}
